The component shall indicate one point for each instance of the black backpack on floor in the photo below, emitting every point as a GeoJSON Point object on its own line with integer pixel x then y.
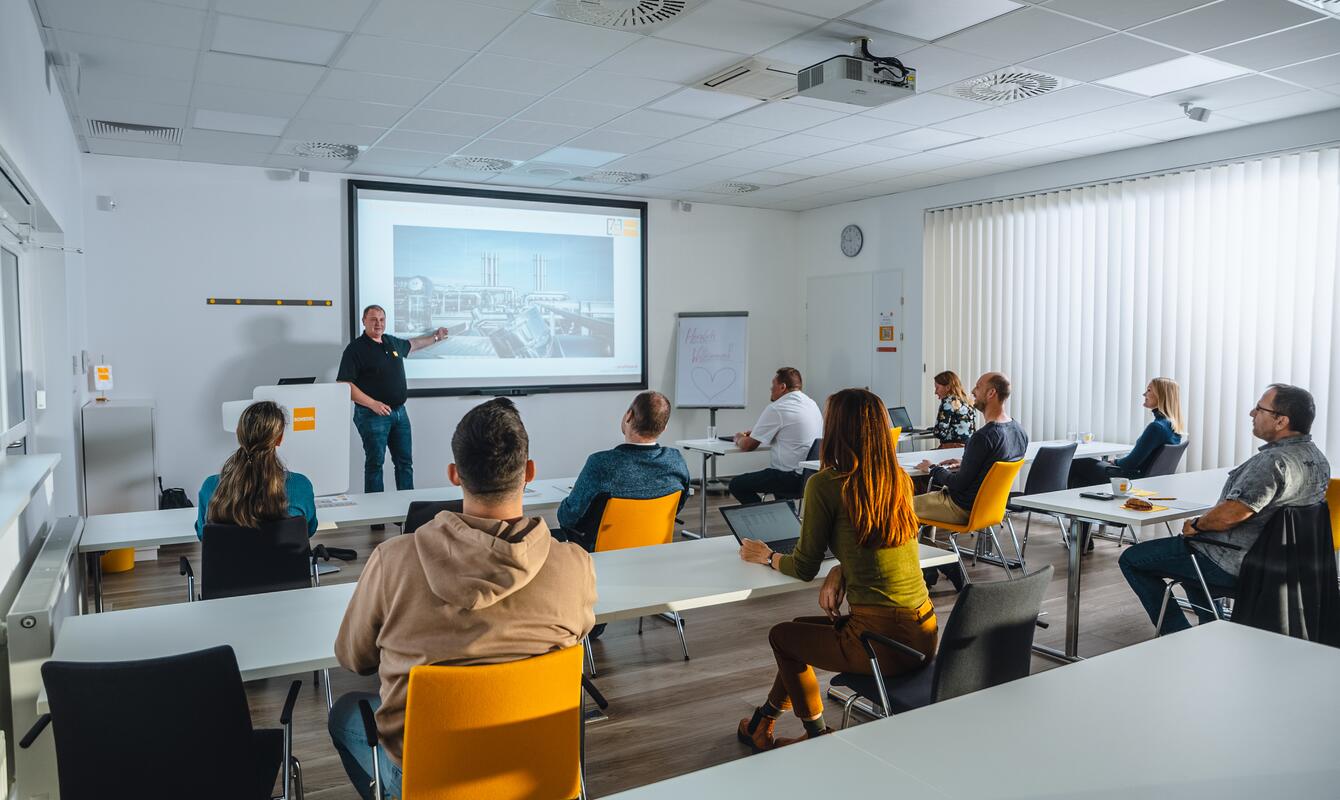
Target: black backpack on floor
{"type": "Point", "coordinates": [172, 498]}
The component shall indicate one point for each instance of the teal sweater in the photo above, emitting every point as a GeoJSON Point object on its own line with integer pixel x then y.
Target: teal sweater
{"type": "Point", "coordinates": [301, 503]}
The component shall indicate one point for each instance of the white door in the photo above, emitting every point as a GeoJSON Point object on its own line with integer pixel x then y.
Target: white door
{"type": "Point", "coordinates": [844, 316]}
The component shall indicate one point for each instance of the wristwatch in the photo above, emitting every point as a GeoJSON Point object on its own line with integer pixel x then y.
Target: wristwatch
{"type": "Point", "coordinates": [1194, 526]}
{"type": "Point", "coordinates": [770, 564]}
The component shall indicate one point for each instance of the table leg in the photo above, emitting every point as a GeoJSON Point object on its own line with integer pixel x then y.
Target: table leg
{"type": "Point", "coordinates": [1079, 534]}
{"type": "Point", "coordinates": [702, 506]}
{"type": "Point", "coordinates": [95, 571]}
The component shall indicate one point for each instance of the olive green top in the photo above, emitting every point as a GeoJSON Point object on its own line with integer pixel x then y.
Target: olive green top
{"type": "Point", "coordinates": [888, 576]}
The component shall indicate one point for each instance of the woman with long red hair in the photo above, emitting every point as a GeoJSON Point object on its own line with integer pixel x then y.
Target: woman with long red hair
{"type": "Point", "coordinates": [859, 507]}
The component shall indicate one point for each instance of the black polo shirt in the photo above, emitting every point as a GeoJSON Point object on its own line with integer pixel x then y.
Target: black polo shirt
{"type": "Point", "coordinates": [376, 368]}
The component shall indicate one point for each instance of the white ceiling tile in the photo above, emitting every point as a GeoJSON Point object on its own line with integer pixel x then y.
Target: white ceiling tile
{"type": "Point", "coordinates": [510, 74]}
{"type": "Point", "coordinates": [994, 121]}
{"type": "Point", "coordinates": [1050, 133]}
{"type": "Point", "coordinates": [133, 111]}
{"type": "Point", "coordinates": [922, 162]}
{"type": "Point", "coordinates": [1143, 112]}
{"type": "Point", "coordinates": [449, 122]}
{"type": "Point", "coordinates": [388, 89]}
{"type": "Point", "coordinates": [498, 148]}
{"type": "Point", "coordinates": [1281, 107]}
{"type": "Point", "coordinates": [251, 37]}
{"type": "Point", "coordinates": [571, 112]}
{"type": "Point", "coordinates": [859, 154]}
{"type": "Point", "coordinates": [208, 119]}
{"type": "Point", "coordinates": [559, 41]}
{"type": "Point", "coordinates": [937, 66]}
{"type": "Point", "coordinates": [1029, 158]}
{"type": "Point", "coordinates": [1104, 57]}
{"type": "Point", "coordinates": [874, 172]}
{"type": "Point", "coordinates": [688, 152]}
{"type": "Point", "coordinates": [1170, 76]}
{"type": "Point", "coordinates": [701, 103]}
{"type": "Point", "coordinates": [343, 15]}
{"type": "Point", "coordinates": [612, 88]}
{"type": "Point", "coordinates": [258, 73]}
{"type": "Point", "coordinates": [783, 115]}
{"type": "Point", "coordinates": [336, 132]}
{"type": "Point", "coordinates": [1105, 143]}
{"type": "Point", "coordinates": [397, 57]}
{"type": "Point", "coordinates": [105, 52]}
{"type": "Point", "coordinates": [730, 135]}
{"type": "Point", "coordinates": [813, 166]}
{"type": "Point", "coordinates": [300, 162]}
{"type": "Point", "coordinates": [445, 23]}
{"type": "Point", "coordinates": [213, 155]}
{"type": "Point", "coordinates": [423, 142]}
{"type": "Point", "coordinates": [824, 183]}
{"type": "Point", "coordinates": [351, 112]}
{"type": "Point", "coordinates": [668, 61]}
{"type": "Point", "coordinates": [523, 180]}
{"type": "Point", "coordinates": [455, 175]}
{"type": "Point", "coordinates": [1023, 35]}
{"type": "Point", "coordinates": [770, 178]}
{"type": "Point", "coordinates": [517, 130]}
{"type": "Point", "coordinates": [136, 20]}
{"type": "Point", "coordinates": [753, 159]}
{"type": "Point", "coordinates": [930, 19]}
{"type": "Point", "coordinates": [641, 162]}
{"type": "Point", "coordinates": [858, 128]}
{"type": "Point", "coordinates": [112, 147]}
{"type": "Point", "coordinates": [973, 169]}
{"type": "Point", "coordinates": [925, 109]}
{"type": "Point", "coordinates": [654, 123]}
{"type": "Point", "coordinates": [819, 8]}
{"type": "Point", "coordinates": [383, 170]}
{"type": "Point", "coordinates": [1321, 38]}
{"type": "Point", "coordinates": [247, 101]}
{"type": "Point", "coordinates": [1124, 14]}
{"type": "Point", "coordinates": [1233, 92]}
{"type": "Point", "coordinates": [616, 141]}
{"type": "Point", "coordinates": [477, 100]}
{"type": "Point", "coordinates": [800, 144]}
{"type": "Point", "coordinates": [921, 139]}
{"type": "Point", "coordinates": [580, 156]}
{"type": "Point", "coordinates": [737, 26]}
{"type": "Point", "coordinates": [1182, 128]}
{"type": "Point", "coordinates": [981, 148]}
{"type": "Point", "coordinates": [834, 39]}
{"type": "Point", "coordinates": [195, 138]}
{"type": "Point", "coordinates": [389, 156]}
{"type": "Point", "coordinates": [845, 109]}
{"type": "Point", "coordinates": [119, 86]}
{"type": "Point", "coordinates": [1318, 73]}
{"type": "Point", "coordinates": [1225, 22]}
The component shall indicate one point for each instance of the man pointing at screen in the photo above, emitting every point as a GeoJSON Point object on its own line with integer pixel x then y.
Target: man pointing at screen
{"type": "Point", "coordinates": [374, 367]}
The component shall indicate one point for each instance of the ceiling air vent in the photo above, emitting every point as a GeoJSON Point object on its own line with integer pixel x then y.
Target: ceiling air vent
{"type": "Point", "coordinates": [105, 129]}
{"type": "Point", "coordinates": [733, 187]}
{"type": "Point", "coordinates": [756, 78]}
{"type": "Point", "coordinates": [479, 164]}
{"type": "Point", "coordinates": [614, 176]}
{"type": "Point", "coordinates": [344, 152]}
{"type": "Point", "coordinates": [1007, 86]}
{"type": "Point", "coordinates": [638, 16]}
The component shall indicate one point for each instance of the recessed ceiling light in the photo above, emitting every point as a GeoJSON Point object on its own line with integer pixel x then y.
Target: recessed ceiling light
{"type": "Point", "coordinates": [479, 164]}
{"type": "Point", "coordinates": [1171, 76]}
{"type": "Point", "coordinates": [549, 172]}
{"type": "Point", "coordinates": [233, 122]}
{"type": "Point", "coordinates": [733, 187]}
{"type": "Point", "coordinates": [614, 176]}
{"type": "Point", "coordinates": [344, 152]}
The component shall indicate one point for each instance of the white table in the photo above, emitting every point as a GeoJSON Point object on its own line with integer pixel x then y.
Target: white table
{"type": "Point", "coordinates": [104, 532]}
{"type": "Point", "coordinates": [1219, 712]}
{"type": "Point", "coordinates": [1195, 492]}
{"type": "Point", "coordinates": [711, 449]}
{"type": "Point", "coordinates": [285, 633]}
{"type": "Point", "coordinates": [909, 460]}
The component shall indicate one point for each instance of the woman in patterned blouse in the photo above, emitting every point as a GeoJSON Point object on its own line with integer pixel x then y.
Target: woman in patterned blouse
{"type": "Point", "coordinates": [956, 419]}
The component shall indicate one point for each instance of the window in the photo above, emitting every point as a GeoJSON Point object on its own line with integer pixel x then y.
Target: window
{"type": "Point", "coordinates": [1222, 278]}
{"type": "Point", "coordinates": [11, 355]}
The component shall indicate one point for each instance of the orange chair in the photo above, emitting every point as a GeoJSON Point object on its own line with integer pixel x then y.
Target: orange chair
{"type": "Point", "coordinates": [988, 511]}
{"type": "Point", "coordinates": [638, 523]}
{"type": "Point", "coordinates": [503, 731]}
{"type": "Point", "coordinates": [1333, 502]}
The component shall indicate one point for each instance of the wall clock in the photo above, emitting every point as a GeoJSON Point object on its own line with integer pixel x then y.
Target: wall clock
{"type": "Point", "coordinates": [852, 240]}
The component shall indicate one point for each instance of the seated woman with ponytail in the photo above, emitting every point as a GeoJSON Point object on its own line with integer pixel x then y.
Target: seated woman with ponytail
{"type": "Point", "coordinates": [254, 487]}
{"type": "Point", "coordinates": [859, 506]}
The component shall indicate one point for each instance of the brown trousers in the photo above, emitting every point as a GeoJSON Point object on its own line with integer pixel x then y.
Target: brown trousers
{"type": "Point", "coordinates": [808, 642]}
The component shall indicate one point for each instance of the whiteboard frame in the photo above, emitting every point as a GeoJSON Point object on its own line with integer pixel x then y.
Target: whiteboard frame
{"type": "Point", "coordinates": [682, 315]}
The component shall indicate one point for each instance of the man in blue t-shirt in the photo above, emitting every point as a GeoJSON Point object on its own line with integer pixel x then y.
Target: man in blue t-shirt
{"type": "Point", "coordinates": [374, 367]}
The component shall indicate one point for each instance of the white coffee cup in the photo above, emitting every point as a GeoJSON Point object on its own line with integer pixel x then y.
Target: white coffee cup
{"type": "Point", "coordinates": [1121, 486]}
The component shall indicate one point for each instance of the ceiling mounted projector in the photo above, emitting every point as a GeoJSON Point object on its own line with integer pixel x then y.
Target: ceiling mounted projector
{"type": "Point", "coordinates": [859, 79]}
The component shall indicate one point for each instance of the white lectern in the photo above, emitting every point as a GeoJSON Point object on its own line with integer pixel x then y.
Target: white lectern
{"type": "Point", "coordinates": [316, 439]}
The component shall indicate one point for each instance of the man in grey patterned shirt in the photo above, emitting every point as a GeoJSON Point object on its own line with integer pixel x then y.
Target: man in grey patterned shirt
{"type": "Point", "coordinates": [1288, 470]}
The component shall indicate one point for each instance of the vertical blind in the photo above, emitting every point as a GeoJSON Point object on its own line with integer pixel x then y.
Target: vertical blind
{"type": "Point", "coordinates": [1222, 278]}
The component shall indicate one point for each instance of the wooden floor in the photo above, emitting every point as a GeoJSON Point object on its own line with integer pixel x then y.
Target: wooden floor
{"type": "Point", "coordinates": [667, 716]}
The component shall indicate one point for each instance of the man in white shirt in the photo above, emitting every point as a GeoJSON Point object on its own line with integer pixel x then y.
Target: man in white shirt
{"type": "Point", "coordinates": [790, 424]}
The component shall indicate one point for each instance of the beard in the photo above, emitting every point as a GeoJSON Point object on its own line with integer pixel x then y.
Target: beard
{"type": "Point", "coordinates": [980, 405]}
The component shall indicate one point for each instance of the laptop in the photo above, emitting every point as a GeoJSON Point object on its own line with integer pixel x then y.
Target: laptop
{"type": "Point", "coordinates": [295, 381]}
{"type": "Point", "coordinates": [899, 418]}
{"type": "Point", "coordinates": [775, 523]}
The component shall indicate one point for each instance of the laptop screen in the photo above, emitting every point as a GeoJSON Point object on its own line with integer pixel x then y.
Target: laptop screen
{"type": "Point", "coordinates": [768, 522]}
{"type": "Point", "coordinates": [898, 417]}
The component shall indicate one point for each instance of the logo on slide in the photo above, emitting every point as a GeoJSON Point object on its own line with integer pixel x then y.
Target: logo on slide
{"type": "Point", "coordinates": [712, 382]}
{"type": "Point", "coordinates": [304, 419]}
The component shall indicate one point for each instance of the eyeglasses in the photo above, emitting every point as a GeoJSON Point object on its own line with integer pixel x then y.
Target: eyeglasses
{"type": "Point", "coordinates": [1267, 410]}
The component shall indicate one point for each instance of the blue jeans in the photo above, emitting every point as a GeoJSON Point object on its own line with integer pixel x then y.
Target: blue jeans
{"type": "Point", "coordinates": [379, 433]}
{"type": "Point", "coordinates": [351, 742]}
{"type": "Point", "coordinates": [1148, 564]}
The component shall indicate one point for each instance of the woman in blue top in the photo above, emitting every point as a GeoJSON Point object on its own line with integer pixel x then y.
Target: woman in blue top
{"type": "Point", "coordinates": [1164, 398]}
{"type": "Point", "coordinates": [253, 486]}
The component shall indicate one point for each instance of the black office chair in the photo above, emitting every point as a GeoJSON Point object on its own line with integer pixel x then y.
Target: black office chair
{"type": "Point", "coordinates": [164, 728]}
{"type": "Point", "coordinates": [1049, 472]}
{"type": "Point", "coordinates": [275, 557]}
{"type": "Point", "coordinates": [811, 455]}
{"type": "Point", "coordinates": [987, 641]}
{"type": "Point", "coordinates": [421, 511]}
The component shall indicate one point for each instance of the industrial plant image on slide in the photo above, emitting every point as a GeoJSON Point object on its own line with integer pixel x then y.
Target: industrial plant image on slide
{"type": "Point", "coordinates": [505, 294]}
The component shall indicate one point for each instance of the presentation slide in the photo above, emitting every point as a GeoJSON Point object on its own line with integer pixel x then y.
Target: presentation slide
{"type": "Point", "coordinates": [538, 292]}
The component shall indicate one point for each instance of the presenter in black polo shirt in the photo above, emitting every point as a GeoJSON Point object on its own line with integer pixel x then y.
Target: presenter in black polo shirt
{"type": "Point", "coordinates": [374, 367]}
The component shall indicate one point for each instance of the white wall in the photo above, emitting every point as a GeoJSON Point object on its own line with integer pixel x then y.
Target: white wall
{"type": "Point", "coordinates": [893, 224]}
{"type": "Point", "coordinates": [182, 232]}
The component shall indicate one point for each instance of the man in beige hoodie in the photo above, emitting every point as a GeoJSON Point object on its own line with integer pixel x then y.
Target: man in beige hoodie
{"type": "Point", "coordinates": [482, 587]}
